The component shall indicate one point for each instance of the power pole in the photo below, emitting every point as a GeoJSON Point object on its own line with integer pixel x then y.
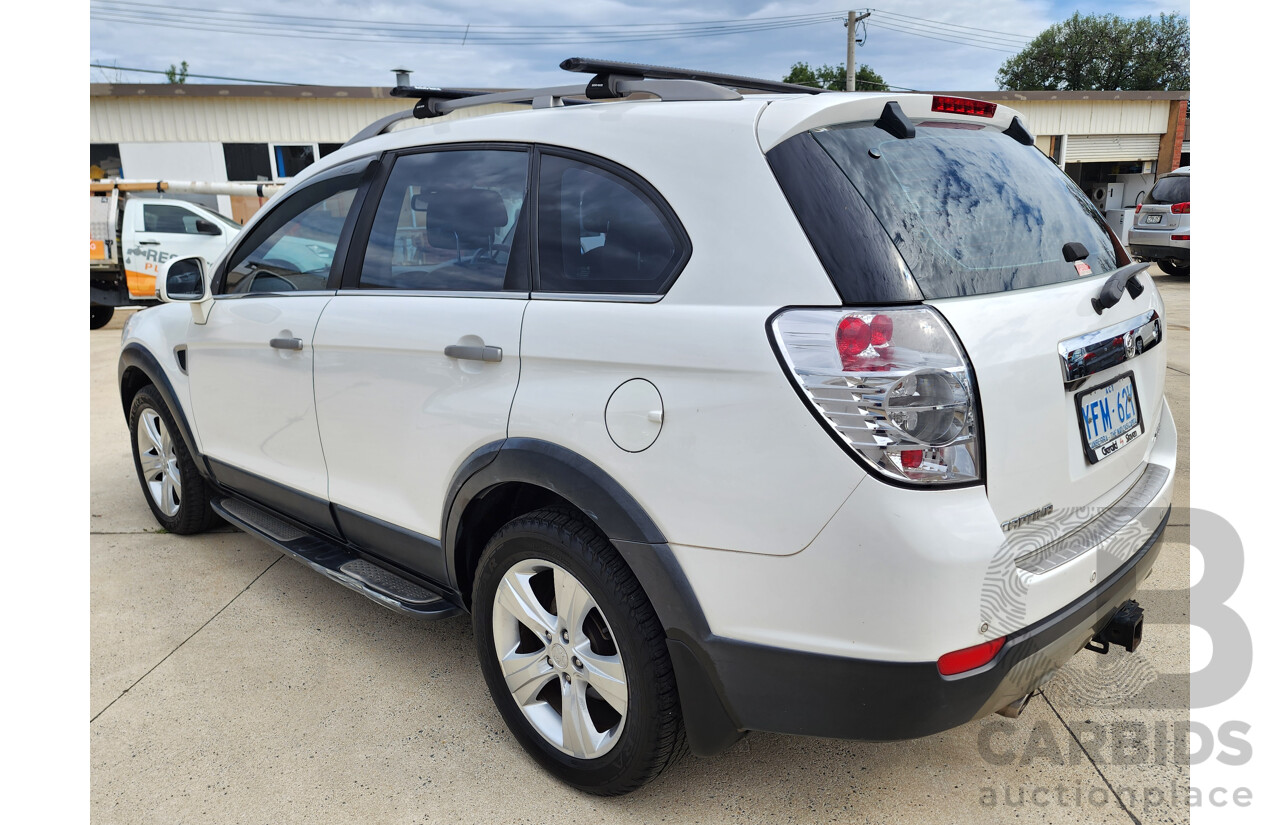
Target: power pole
{"type": "Point", "coordinates": [851, 68]}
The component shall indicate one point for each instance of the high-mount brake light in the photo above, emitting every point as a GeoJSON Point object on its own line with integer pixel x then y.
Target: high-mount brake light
{"type": "Point", "coordinates": [963, 106]}
{"type": "Point", "coordinates": [960, 661]}
{"type": "Point", "coordinates": [891, 384]}
{"type": "Point", "coordinates": [1183, 208]}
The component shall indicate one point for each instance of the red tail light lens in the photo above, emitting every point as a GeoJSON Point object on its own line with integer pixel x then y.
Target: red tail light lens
{"type": "Point", "coordinates": [963, 106]}
{"type": "Point", "coordinates": [959, 661]}
{"type": "Point", "coordinates": [853, 336]}
{"type": "Point", "coordinates": [881, 330]}
{"type": "Point", "coordinates": [1137, 209]}
{"type": "Point", "coordinates": [1181, 208]}
{"type": "Point", "coordinates": [1180, 237]}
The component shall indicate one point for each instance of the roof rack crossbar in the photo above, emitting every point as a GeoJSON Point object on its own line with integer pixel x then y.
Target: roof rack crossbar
{"type": "Point", "coordinates": [642, 70]}
{"type": "Point", "coordinates": [612, 80]}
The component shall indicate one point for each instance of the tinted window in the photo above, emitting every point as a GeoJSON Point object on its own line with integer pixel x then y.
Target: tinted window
{"type": "Point", "coordinates": [1173, 189]}
{"type": "Point", "coordinates": [171, 219]}
{"type": "Point", "coordinates": [290, 160]}
{"type": "Point", "coordinates": [247, 161]}
{"type": "Point", "coordinates": [450, 220]}
{"type": "Point", "coordinates": [598, 232]}
{"type": "Point", "coordinates": [293, 247]}
{"type": "Point", "coordinates": [971, 211]}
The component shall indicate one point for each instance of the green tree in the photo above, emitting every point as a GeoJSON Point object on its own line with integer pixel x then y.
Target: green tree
{"type": "Point", "coordinates": [1104, 52]}
{"type": "Point", "coordinates": [176, 74]}
{"type": "Point", "coordinates": [832, 77]}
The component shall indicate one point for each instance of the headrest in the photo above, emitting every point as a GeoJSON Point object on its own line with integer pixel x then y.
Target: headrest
{"type": "Point", "coordinates": [461, 216]}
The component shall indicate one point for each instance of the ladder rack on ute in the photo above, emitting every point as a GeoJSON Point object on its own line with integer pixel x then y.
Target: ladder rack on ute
{"type": "Point", "coordinates": [612, 80]}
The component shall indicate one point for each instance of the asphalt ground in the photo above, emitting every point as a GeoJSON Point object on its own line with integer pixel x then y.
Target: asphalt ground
{"type": "Point", "coordinates": [231, 684]}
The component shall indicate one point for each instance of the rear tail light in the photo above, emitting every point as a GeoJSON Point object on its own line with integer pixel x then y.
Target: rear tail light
{"type": "Point", "coordinates": [1181, 208]}
{"type": "Point", "coordinates": [963, 106]}
{"type": "Point", "coordinates": [1180, 237]}
{"type": "Point", "coordinates": [1137, 208]}
{"type": "Point", "coordinates": [960, 661]}
{"type": "Point", "coordinates": [892, 385]}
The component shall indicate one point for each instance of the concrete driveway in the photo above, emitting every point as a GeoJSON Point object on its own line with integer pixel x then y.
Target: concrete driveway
{"type": "Point", "coordinates": [230, 684]}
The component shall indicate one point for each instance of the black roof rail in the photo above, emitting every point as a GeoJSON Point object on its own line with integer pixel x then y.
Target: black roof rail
{"type": "Point", "coordinates": [612, 80]}
{"type": "Point", "coordinates": [643, 70]}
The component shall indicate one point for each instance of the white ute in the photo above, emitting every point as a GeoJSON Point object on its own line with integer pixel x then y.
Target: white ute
{"type": "Point", "coordinates": [826, 414]}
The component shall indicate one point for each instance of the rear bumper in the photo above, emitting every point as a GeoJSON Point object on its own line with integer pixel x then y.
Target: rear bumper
{"type": "Point", "coordinates": [788, 691]}
{"type": "Point", "coordinates": [1150, 252]}
{"type": "Point", "coordinates": [730, 686]}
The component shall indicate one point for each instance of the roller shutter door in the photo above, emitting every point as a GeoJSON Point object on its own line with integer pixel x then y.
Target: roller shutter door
{"type": "Point", "coordinates": [1094, 148]}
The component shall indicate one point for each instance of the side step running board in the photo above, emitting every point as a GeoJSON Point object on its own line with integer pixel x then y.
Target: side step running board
{"type": "Point", "coordinates": [338, 563]}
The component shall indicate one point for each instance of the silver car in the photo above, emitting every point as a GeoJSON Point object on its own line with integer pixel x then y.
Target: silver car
{"type": "Point", "coordinates": [1162, 225]}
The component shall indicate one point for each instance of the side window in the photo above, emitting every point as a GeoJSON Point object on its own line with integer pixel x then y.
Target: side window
{"type": "Point", "coordinates": [450, 220]}
{"type": "Point", "coordinates": [599, 233]}
{"type": "Point", "coordinates": [293, 247]}
{"type": "Point", "coordinates": [173, 220]}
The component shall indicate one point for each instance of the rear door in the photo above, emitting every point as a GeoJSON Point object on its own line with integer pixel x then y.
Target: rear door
{"type": "Point", "coordinates": [251, 364]}
{"type": "Point", "coordinates": [418, 355]}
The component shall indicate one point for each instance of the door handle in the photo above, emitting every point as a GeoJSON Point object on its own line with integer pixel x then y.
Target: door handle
{"type": "Point", "coordinates": [149, 243]}
{"type": "Point", "coordinates": [287, 343]}
{"type": "Point", "coordinates": [474, 353]}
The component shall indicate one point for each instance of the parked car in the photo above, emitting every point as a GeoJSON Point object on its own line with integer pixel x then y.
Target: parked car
{"type": "Point", "coordinates": [783, 412]}
{"type": "Point", "coordinates": [1162, 224]}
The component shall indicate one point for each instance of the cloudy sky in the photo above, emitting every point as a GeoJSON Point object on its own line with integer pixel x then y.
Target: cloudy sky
{"type": "Point", "coordinates": [918, 44]}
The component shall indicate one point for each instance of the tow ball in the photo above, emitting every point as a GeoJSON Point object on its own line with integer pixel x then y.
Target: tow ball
{"type": "Point", "coordinates": [1124, 629]}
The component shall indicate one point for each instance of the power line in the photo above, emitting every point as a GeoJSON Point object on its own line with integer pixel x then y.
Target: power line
{"type": "Point", "coordinates": [947, 32]}
{"type": "Point", "coordinates": [948, 39]}
{"type": "Point", "coordinates": [319, 28]}
{"type": "Point", "coordinates": [954, 25]}
{"type": "Point", "coordinates": [202, 76]}
{"type": "Point", "coordinates": [124, 5]}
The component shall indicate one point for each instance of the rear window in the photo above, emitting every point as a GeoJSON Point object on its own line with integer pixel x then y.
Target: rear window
{"type": "Point", "coordinates": [1171, 189]}
{"type": "Point", "coordinates": [971, 211]}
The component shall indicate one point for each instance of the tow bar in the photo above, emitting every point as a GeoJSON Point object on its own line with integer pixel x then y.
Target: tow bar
{"type": "Point", "coordinates": [1124, 629]}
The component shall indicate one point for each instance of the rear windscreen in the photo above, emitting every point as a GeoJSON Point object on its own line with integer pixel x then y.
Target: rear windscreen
{"type": "Point", "coordinates": [1173, 189]}
{"type": "Point", "coordinates": [972, 211]}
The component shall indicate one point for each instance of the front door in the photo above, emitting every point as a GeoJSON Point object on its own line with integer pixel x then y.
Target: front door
{"type": "Point", "coordinates": [251, 364]}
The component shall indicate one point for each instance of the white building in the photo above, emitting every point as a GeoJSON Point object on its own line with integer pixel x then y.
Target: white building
{"type": "Point", "coordinates": [1113, 144]}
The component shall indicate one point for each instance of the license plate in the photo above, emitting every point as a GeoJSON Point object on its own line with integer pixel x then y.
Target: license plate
{"type": "Point", "coordinates": [1110, 417]}
{"type": "Point", "coordinates": [1153, 219]}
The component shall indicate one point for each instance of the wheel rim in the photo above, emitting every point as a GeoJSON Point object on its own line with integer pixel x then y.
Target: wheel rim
{"type": "Point", "coordinates": [558, 657]}
{"type": "Point", "coordinates": [159, 460]}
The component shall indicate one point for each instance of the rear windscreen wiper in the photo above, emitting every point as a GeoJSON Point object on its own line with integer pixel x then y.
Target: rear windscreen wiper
{"type": "Point", "coordinates": [1120, 280]}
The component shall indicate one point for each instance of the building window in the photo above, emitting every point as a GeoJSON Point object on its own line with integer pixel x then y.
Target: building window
{"type": "Point", "coordinates": [247, 161]}
{"type": "Point", "coordinates": [104, 161]}
{"type": "Point", "coordinates": [288, 159]}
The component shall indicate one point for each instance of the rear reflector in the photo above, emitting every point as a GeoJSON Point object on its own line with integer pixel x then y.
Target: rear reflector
{"type": "Point", "coordinates": [1183, 208]}
{"type": "Point", "coordinates": [963, 106]}
{"type": "Point", "coordinates": [959, 661]}
{"type": "Point", "coordinates": [1180, 237]}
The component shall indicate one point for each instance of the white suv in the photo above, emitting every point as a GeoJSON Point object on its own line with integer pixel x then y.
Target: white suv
{"type": "Point", "coordinates": [818, 414]}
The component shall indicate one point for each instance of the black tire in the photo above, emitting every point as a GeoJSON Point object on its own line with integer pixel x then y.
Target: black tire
{"type": "Point", "coordinates": [100, 316]}
{"type": "Point", "coordinates": [1174, 267]}
{"type": "Point", "coordinates": [651, 736]}
{"type": "Point", "coordinates": [193, 512]}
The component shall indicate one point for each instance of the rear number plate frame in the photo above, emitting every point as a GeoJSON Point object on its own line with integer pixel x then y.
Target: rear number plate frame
{"type": "Point", "coordinates": [1114, 418]}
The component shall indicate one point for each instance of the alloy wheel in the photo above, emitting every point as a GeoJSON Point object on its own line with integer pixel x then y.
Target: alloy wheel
{"type": "Point", "coordinates": [559, 659]}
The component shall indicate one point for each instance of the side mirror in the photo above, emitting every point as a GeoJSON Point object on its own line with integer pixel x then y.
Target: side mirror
{"type": "Point", "coordinates": [182, 279]}
{"type": "Point", "coordinates": [204, 227]}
